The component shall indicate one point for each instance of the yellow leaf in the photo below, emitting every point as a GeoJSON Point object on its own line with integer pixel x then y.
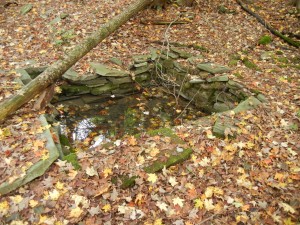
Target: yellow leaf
{"type": "Point", "coordinates": [152, 177]}
{"type": "Point", "coordinates": [288, 221]}
{"type": "Point", "coordinates": [57, 90]}
{"type": "Point", "coordinates": [59, 185]}
{"type": "Point", "coordinates": [198, 203]}
{"type": "Point", "coordinates": [42, 219]}
{"type": "Point", "coordinates": [16, 199]}
{"type": "Point", "coordinates": [158, 222]}
{"type": "Point", "coordinates": [33, 203]}
{"type": "Point", "coordinates": [154, 152]}
{"type": "Point", "coordinates": [4, 207]}
{"type": "Point", "coordinates": [279, 176]}
{"type": "Point", "coordinates": [76, 212]}
{"type": "Point", "coordinates": [107, 172]}
{"type": "Point", "coordinates": [106, 208]}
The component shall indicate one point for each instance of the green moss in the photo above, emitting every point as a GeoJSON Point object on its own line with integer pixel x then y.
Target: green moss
{"type": "Point", "coordinates": [171, 161]}
{"type": "Point", "coordinates": [249, 64]}
{"type": "Point", "coordinates": [166, 132]}
{"type": "Point", "coordinates": [238, 75]}
{"type": "Point", "coordinates": [264, 40]}
{"type": "Point", "coordinates": [233, 62]}
{"type": "Point", "coordinates": [65, 144]}
{"type": "Point", "coordinates": [128, 182]}
{"type": "Point", "coordinates": [279, 53]}
{"type": "Point", "coordinates": [130, 119]}
{"type": "Point", "coordinates": [72, 158]}
{"type": "Point", "coordinates": [74, 89]}
{"type": "Point", "coordinates": [98, 119]}
{"type": "Point", "coordinates": [282, 60]}
{"type": "Point", "coordinates": [298, 114]}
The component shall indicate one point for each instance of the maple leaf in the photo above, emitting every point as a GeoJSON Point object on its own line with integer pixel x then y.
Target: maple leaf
{"type": "Point", "coordinates": [90, 171]}
{"type": "Point", "coordinates": [209, 192]}
{"type": "Point", "coordinates": [178, 201]}
{"type": "Point", "coordinates": [154, 152]}
{"type": "Point", "coordinates": [172, 181]}
{"type": "Point", "coordinates": [152, 178]}
{"type": "Point", "coordinates": [287, 207]}
{"type": "Point", "coordinates": [288, 221]}
{"type": "Point", "coordinates": [42, 219]}
{"type": "Point", "coordinates": [198, 203]}
{"type": "Point", "coordinates": [80, 199]}
{"type": "Point", "coordinates": [106, 208]}
{"type": "Point", "coordinates": [4, 207]}
{"type": "Point", "coordinates": [16, 199]}
{"type": "Point", "coordinates": [162, 206]}
{"type": "Point", "coordinates": [76, 212]}
{"type": "Point", "coordinates": [208, 204]}
{"type": "Point", "coordinates": [132, 141]}
{"type": "Point", "coordinates": [204, 162]}
{"type": "Point", "coordinates": [59, 185]}
{"type": "Point", "coordinates": [107, 172]}
{"type": "Point", "coordinates": [158, 222]}
{"type": "Point", "coordinates": [33, 203]}
{"type": "Point", "coordinates": [94, 210]}
{"type": "Point", "coordinates": [117, 143]}
{"type": "Point", "coordinates": [54, 195]}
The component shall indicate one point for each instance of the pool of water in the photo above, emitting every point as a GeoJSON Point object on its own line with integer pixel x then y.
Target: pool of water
{"type": "Point", "coordinates": [93, 124]}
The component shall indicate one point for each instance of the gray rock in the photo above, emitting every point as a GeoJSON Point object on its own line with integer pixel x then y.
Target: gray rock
{"type": "Point", "coordinates": [266, 55]}
{"type": "Point", "coordinates": [221, 125]}
{"type": "Point", "coordinates": [116, 61]}
{"type": "Point", "coordinates": [103, 89]}
{"type": "Point", "coordinates": [262, 98]}
{"type": "Point", "coordinates": [25, 9]}
{"type": "Point", "coordinates": [221, 107]}
{"type": "Point", "coordinates": [248, 104]}
{"type": "Point", "coordinates": [140, 64]}
{"type": "Point", "coordinates": [106, 71]}
{"type": "Point", "coordinates": [141, 58]}
{"type": "Point", "coordinates": [213, 68]}
{"type": "Point", "coordinates": [197, 81]}
{"type": "Point", "coordinates": [223, 78]}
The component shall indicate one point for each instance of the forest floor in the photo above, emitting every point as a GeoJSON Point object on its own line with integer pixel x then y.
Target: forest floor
{"type": "Point", "coordinates": [251, 179]}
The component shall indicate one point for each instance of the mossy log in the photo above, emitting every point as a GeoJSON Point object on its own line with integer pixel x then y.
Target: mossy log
{"type": "Point", "coordinates": [57, 69]}
{"type": "Point", "coordinates": [268, 26]}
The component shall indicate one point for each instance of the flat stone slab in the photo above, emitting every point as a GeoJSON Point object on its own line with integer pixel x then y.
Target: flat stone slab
{"type": "Point", "coordinates": [213, 68]}
{"type": "Point", "coordinates": [106, 71]}
{"type": "Point", "coordinates": [38, 168]}
{"type": "Point", "coordinates": [218, 79]}
{"type": "Point", "coordinates": [72, 76]}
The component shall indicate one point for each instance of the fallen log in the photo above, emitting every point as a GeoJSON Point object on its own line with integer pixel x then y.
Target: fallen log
{"type": "Point", "coordinates": [268, 26]}
{"type": "Point", "coordinates": [58, 68]}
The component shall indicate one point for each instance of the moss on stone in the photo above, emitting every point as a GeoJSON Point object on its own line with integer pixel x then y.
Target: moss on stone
{"type": "Point", "coordinates": [128, 182]}
{"type": "Point", "coordinates": [171, 161]}
{"type": "Point", "coordinates": [72, 158]}
{"type": "Point", "coordinates": [166, 132]}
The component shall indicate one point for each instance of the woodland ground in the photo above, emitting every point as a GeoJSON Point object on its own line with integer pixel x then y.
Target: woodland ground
{"type": "Point", "coordinates": [251, 179]}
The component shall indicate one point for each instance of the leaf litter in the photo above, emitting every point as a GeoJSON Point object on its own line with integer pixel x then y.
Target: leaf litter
{"type": "Point", "coordinates": [253, 178]}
